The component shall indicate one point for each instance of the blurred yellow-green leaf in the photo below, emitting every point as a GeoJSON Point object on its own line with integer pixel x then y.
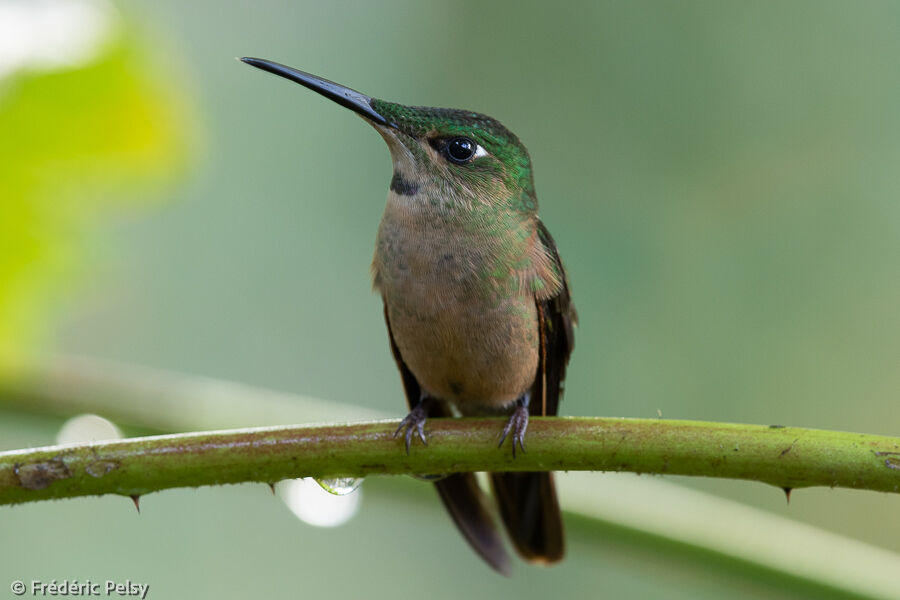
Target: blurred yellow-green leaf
{"type": "Point", "coordinates": [76, 141]}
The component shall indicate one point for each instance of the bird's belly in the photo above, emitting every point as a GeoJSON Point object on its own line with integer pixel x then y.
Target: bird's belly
{"type": "Point", "coordinates": [477, 353]}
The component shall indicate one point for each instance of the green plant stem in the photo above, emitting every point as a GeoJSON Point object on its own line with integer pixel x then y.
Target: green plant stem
{"type": "Point", "coordinates": [786, 457]}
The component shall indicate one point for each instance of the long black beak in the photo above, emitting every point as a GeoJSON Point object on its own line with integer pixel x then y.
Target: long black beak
{"type": "Point", "coordinates": [358, 103]}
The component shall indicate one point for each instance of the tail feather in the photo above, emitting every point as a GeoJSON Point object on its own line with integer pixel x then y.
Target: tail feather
{"type": "Point", "coordinates": [468, 507]}
{"type": "Point", "coordinates": [530, 512]}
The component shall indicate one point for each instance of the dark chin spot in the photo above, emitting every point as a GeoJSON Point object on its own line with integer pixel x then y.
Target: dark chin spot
{"type": "Point", "coordinates": [402, 186]}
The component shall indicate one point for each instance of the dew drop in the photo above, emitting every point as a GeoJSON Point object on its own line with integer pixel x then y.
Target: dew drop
{"type": "Point", "coordinates": [312, 504]}
{"type": "Point", "coordinates": [340, 486]}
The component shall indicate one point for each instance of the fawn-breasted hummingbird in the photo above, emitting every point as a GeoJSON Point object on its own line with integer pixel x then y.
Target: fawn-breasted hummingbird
{"type": "Point", "coordinates": [475, 298]}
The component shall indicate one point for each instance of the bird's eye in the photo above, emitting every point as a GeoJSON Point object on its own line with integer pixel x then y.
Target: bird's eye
{"type": "Point", "coordinates": [462, 150]}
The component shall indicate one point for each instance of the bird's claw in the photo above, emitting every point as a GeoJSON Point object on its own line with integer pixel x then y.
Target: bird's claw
{"type": "Point", "coordinates": [518, 424]}
{"type": "Point", "coordinates": [414, 421]}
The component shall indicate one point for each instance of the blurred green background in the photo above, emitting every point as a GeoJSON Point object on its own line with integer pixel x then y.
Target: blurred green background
{"type": "Point", "coordinates": [721, 179]}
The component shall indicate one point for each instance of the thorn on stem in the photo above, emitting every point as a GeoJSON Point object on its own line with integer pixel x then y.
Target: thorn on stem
{"type": "Point", "coordinates": [787, 494]}
{"type": "Point", "coordinates": [136, 498]}
{"type": "Point", "coordinates": [272, 487]}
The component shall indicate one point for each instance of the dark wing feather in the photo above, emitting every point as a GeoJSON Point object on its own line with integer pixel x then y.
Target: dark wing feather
{"type": "Point", "coordinates": [558, 337]}
{"type": "Point", "coordinates": [527, 501]}
{"type": "Point", "coordinates": [460, 492]}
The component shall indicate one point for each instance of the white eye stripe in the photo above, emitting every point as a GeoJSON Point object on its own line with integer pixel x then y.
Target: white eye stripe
{"type": "Point", "coordinates": [479, 151]}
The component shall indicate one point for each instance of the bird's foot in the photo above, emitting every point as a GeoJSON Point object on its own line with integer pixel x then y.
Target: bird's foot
{"type": "Point", "coordinates": [415, 422]}
{"type": "Point", "coordinates": [518, 424]}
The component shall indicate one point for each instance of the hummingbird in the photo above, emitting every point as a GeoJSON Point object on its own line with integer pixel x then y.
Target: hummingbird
{"type": "Point", "coordinates": [476, 301]}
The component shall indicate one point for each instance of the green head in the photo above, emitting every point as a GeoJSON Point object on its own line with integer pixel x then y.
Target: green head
{"type": "Point", "coordinates": [454, 157]}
